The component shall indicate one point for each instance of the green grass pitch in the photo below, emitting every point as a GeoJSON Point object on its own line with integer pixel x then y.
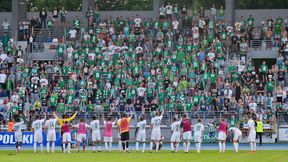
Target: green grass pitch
{"type": "Point", "coordinates": [162, 156]}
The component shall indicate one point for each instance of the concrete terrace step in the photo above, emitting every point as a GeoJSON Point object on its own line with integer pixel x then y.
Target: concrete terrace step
{"type": "Point", "coordinates": [263, 53]}
{"type": "Point", "coordinates": [45, 55]}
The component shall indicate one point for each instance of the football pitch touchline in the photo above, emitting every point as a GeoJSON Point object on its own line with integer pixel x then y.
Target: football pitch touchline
{"type": "Point", "coordinates": [166, 146]}
{"type": "Point", "coordinates": [162, 156]}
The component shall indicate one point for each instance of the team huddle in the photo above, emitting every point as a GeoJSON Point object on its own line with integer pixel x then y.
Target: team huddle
{"type": "Point", "coordinates": [181, 130]}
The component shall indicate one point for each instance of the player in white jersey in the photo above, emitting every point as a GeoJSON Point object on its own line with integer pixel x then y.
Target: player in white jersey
{"type": "Point", "coordinates": [237, 135]}
{"type": "Point", "coordinates": [96, 137]}
{"type": "Point", "coordinates": [176, 133]}
{"type": "Point", "coordinates": [50, 125]}
{"type": "Point", "coordinates": [37, 130]}
{"type": "Point", "coordinates": [156, 130]}
{"type": "Point", "coordinates": [18, 133]}
{"type": "Point", "coordinates": [140, 134]}
{"type": "Point", "coordinates": [198, 135]}
{"type": "Point", "coordinates": [252, 134]}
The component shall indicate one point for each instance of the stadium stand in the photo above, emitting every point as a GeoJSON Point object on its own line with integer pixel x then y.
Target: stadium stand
{"type": "Point", "coordinates": [182, 62]}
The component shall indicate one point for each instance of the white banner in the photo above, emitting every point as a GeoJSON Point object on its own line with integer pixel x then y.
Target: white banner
{"type": "Point", "coordinates": [283, 134]}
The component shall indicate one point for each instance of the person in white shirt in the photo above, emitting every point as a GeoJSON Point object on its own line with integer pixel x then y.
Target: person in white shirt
{"type": "Point", "coordinates": [15, 97]}
{"type": "Point", "coordinates": [237, 135]}
{"type": "Point", "coordinates": [286, 22]}
{"type": "Point", "coordinates": [195, 31]}
{"type": "Point", "coordinates": [86, 36]}
{"type": "Point", "coordinates": [140, 133]}
{"type": "Point", "coordinates": [213, 12]}
{"type": "Point", "coordinates": [3, 78]}
{"type": "Point", "coordinates": [37, 130]}
{"type": "Point", "coordinates": [18, 133]}
{"type": "Point", "coordinates": [156, 130]}
{"type": "Point", "coordinates": [92, 55]}
{"type": "Point", "coordinates": [50, 125]}
{"type": "Point", "coordinates": [139, 49]}
{"type": "Point", "coordinates": [31, 40]}
{"type": "Point", "coordinates": [176, 135]}
{"type": "Point", "coordinates": [241, 67]}
{"type": "Point", "coordinates": [111, 29]}
{"type": "Point", "coordinates": [252, 134]}
{"type": "Point", "coordinates": [20, 60]}
{"type": "Point", "coordinates": [69, 51]}
{"type": "Point", "coordinates": [72, 33]}
{"type": "Point", "coordinates": [202, 24]}
{"type": "Point", "coordinates": [3, 57]}
{"type": "Point", "coordinates": [137, 21]}
{"type": "Point", "coordinates": [5, 25]}
{"type": "Point", "coordinates": [162, 11]}
{"type": "Point", "coordinates": [198, 134]}
{"type": "Point", "coordinates": [252, 105]}
{"type": "Point", "coordinates": [102, 25]}
{"type": "Point", "coordinates": [169, 11]}
{"type": "Point", "coordinates": [96, 137]}
{"type": "Point", "coordinates": [124, 47]}
{"type": "Point", "coordinates": [211, 55]}
{"type": "Point", "coordinates": [175, 24]}
{"type": "Point", "coordinates": [43, 82]}
{"type": "Point", "coordinates": [141, 92]}
{"type": "Point", "coordinates": [243, 50]}
{"type": "Point", "coordinates": [26, 24]}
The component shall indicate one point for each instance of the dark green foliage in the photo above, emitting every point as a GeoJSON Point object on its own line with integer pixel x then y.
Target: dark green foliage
{"type": "Point", "coordinates": [114, 5]}
{"type": "Point", "coordinates": [261, 4]}
{"type": "Point", "coordinates": [5, 5]}
{"type": "Point", "coordinates": [69, 5]}
{"type": "Point", "coordinates": [207, 4]}
{"type": "Point", "coordinates": [239, 4]}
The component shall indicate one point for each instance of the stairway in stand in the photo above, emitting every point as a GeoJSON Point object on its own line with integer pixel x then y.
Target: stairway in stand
{"type": "Point", "coordinates": [47, 35]}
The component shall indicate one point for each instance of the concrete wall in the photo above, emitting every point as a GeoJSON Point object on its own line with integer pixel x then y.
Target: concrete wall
{"type": "Point", "coordinates": [257, 14]}
{"type": "Point", "coordinates": [4, 15]}
{"type": "Point", "coordinates": [70, 15]}
{"type": "Point", "coordinates": [104, 14]}
{"type": "Point", "coordinates": [144, 14]}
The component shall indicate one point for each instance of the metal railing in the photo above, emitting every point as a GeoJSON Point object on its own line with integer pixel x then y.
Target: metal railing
{"type": "Point", "coordinates": [282, 118]}
{"type": "Point", "coordinates": [41, 51]}
{"type": "Point", "coordinates": [168, 116]}
{"type": "Point", "coordinates": [36, 47]}
{"type": "Point", "coordinates": [263, 44]}
{"type": "Point", "coordinates": [47, 35]}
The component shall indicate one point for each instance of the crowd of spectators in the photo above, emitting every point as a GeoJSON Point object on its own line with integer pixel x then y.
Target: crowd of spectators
{"type": "Point", "coordinates": [28, 26]}
{"type": "Point", "coordinates": [183, 61]}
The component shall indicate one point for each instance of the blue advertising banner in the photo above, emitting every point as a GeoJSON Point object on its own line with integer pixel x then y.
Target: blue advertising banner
{"type": "Point", "coordinates": [8, 138]}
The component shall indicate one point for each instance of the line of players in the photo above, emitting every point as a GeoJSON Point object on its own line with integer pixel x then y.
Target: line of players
{"type": "Point", "coordinates": [180, 130]}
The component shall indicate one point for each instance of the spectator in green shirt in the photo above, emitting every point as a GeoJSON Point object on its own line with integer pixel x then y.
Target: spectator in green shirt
{"type": "Point", "coordinates": [5, 40]}
{"type": "Point", "coordinates": [52, 102]}
{"type": "Point", "coordinates": [61, 106]}
{"type": "Point", "coordinates": [250, 21]}
{"type": "Point", "coordinates": [50, 23]}
{"type": "Point", "coordinates": [264, 67]}
{"type": "Point", "coordinates": [77, 23]}
{"type": "Point", "coordinates": [277, 30]}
